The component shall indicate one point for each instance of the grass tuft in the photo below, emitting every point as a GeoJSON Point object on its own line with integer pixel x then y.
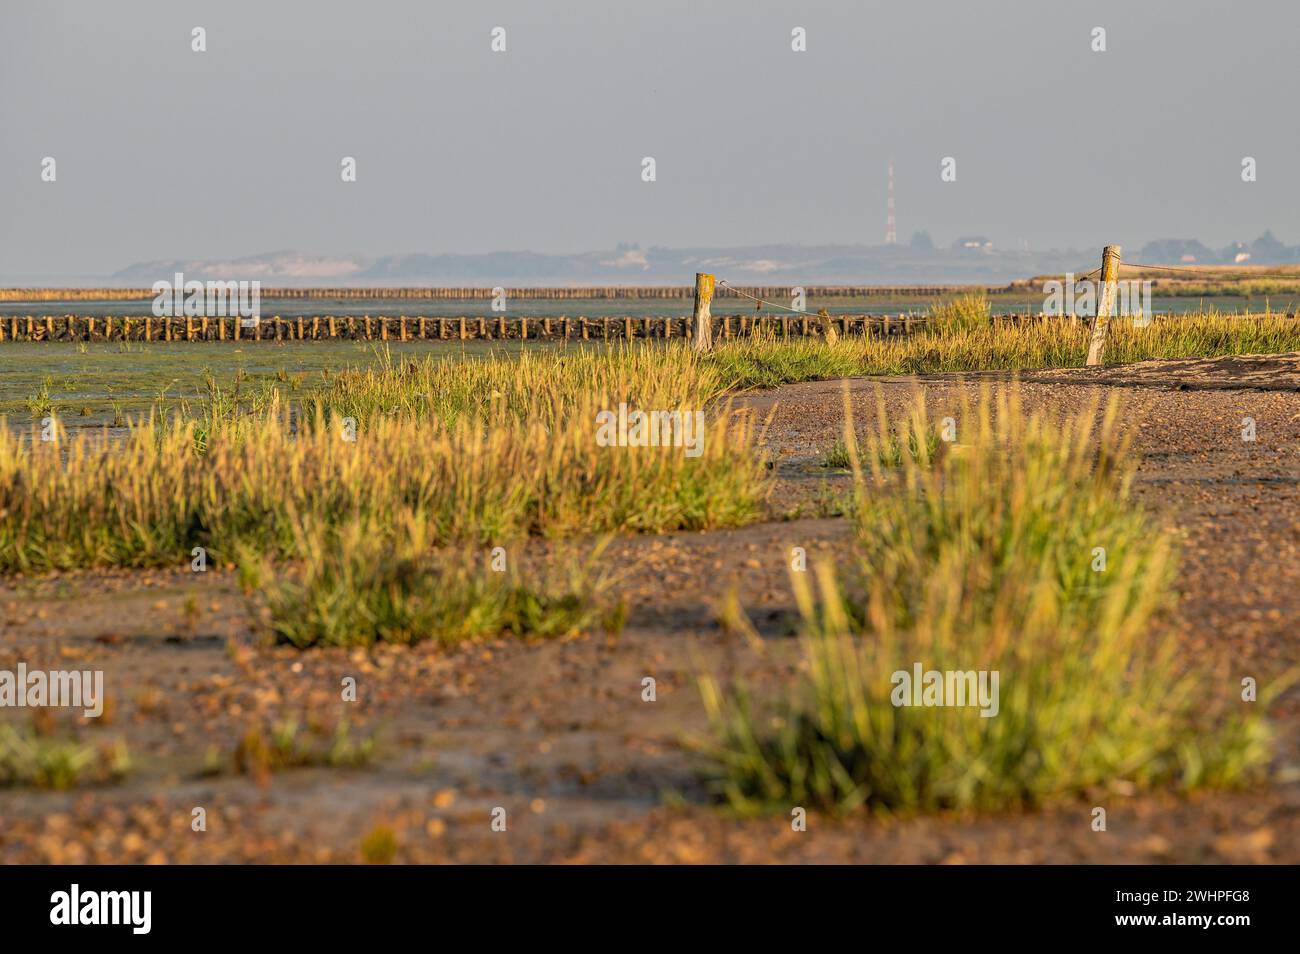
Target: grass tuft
{"type": "Point", "coordinates": [286, 744]}
{"type": "Point", "coordinates": [984, 561]}
{"type": "Point", "coordinates": [31, 759]}
{"type": "Point", "coordinates": [355, 586]}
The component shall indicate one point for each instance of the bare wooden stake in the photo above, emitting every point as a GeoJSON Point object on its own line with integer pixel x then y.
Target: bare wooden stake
{"type": "Point", "coordinates": [1105, 303]}
{"type": "Point", "coordinates": [704, 284]}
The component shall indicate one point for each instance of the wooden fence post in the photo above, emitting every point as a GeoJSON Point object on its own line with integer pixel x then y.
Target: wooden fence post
{"type": "Point", "coordinates": [1105, 302]}
{"type": "Point", "coordinates": [703, 319]}
{"type": "Point", "coordinates": [827, 326]}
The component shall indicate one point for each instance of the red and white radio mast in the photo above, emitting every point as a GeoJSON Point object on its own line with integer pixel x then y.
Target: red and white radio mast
{"type": "Point", "coordinates": [891, 233]}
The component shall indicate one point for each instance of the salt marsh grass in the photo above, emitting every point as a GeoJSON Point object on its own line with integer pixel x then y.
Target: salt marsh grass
{"type": "Point", "coordinates": [987, 561]}
{"type": "Point", "coordinates": [483, 448]}
{"type": "Point", "coordinates": [34, 759]}
{"type": "Point", "coordinates": [541, 386]}
{"type": "Point", "coordinates": [151, 497]}
{"type": "Point", "coordinates": [963, 313]}
{"type": "Point", "coordinates": [493, 451]}
{"type": "Point", "coordinates": [356, 585]}
{"type": "Point", "coordinates": [969, 345]}
{"type": "Point", "coordinates": [288, 743]}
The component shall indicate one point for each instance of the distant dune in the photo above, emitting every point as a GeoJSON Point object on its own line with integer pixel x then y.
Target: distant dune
{"type": "Point", "coordinates": [623, 265]}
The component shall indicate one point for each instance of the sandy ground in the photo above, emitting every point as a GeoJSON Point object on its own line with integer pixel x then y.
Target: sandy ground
{"type": "Point", "coordinates": [557, 734]}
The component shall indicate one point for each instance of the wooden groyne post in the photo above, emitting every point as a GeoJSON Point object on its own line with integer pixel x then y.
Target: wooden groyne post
{"type": "Point", "coordinates": [17, 328]}
{"type": "Point", "coordinates": [1105, 303]}
{"type": "Point", "coordinates": [703, 320]}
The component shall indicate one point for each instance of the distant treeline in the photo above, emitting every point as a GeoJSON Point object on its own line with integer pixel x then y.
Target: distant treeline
{"type": "Point", "coordinates": [779, 293]}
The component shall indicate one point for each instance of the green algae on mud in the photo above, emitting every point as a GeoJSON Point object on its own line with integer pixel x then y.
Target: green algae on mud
{"type": "Point", "coordinates": [92, 385]}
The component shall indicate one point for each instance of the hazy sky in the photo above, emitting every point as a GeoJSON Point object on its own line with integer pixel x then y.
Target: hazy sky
{"type": "Point", "coordinates": [163, 152]}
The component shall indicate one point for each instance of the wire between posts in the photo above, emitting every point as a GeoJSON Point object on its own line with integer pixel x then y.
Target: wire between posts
{"type": "Point", "coordinates": [1171, 268]}
{"type": "Point", "coordinates": [764, 301]}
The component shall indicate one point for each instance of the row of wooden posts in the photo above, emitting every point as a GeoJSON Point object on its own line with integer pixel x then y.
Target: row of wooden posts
{"type": "Point", "coordinates": [823, 324]}
{"type": "Point", "coordinates": [408, 328]}
{"type": "Point", "coordinates": [700, 326]}
{"type": "Point", "coordinates": [479, 294]}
